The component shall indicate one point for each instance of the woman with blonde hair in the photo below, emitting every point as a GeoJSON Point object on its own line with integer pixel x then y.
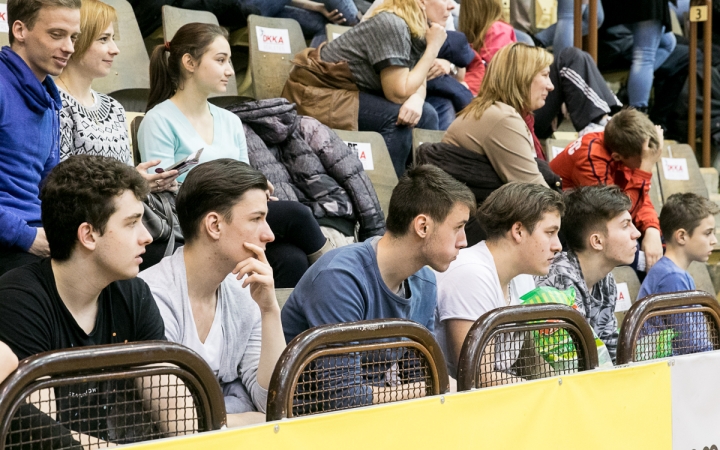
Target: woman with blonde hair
{"type": "Point", "coordinates": [373, 77]}
{"type": "Point", "coordinates": [481, 21]}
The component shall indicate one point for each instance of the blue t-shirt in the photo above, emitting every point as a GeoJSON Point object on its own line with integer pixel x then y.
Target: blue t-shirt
{"type": "Point", "coordinates": [166, 134]}
{"type": "Point", "coordinates": [345, 286]}
{"type": "Point", "coordinates": [691, 328]}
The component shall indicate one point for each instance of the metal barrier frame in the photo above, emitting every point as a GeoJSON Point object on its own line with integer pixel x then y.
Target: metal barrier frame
{"type": "Point", "coordinates": [304, 348]}
{"type": "Point", "coordinates": [110, 362]}
{"type": "Point", "coordinates": [520, 318]}
{"type": "Point", "coordinates": [660, 304]}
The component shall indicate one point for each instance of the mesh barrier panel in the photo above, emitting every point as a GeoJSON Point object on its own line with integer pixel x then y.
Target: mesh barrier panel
{"type": "Point", "coordinates": [676, 333]}
{"type": "Point", "coordinates": [91, 411]}
{"type": "Point", "coordinates": [377, 373]}
{"type": "Point", "coordinates": [530, 354]}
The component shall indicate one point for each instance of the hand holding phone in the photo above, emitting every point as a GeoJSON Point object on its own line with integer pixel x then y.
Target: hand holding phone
{"type": "Point", "coordinates": [184, 164]}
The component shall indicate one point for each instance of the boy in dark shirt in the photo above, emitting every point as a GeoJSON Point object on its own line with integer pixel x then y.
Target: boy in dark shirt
{"type": "Point", "coordinates": [87, 292]}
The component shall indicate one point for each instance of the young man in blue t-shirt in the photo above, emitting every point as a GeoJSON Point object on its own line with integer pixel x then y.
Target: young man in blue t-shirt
{"type": "Point", "coordinates": [386, 277]}
{"type": "Point", "coordinates": [42, 36]}
{"type": "Point", "coordinates": [688, 225]}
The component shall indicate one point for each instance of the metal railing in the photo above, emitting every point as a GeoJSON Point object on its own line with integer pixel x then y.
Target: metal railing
{"type": "Point", "coordinates": [113, 394]}
{"type": "Point", "coordinates": [348, 365]}
{"type": "Point", "coordinates": [516, 343]}
{"type": "Point", "coordinates": [664, 325]}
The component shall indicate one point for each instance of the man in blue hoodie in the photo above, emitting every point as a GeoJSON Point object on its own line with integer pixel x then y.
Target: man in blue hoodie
{"type": "Point", "coordinates": [42, 36]}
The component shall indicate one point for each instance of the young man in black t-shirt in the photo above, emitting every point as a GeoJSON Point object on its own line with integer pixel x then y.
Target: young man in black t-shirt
{"type": "Point", "coordinates": [87, 292]}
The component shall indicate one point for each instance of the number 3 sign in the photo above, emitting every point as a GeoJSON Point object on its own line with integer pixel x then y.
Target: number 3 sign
{"type": "Point", "coordinates": [698, 13]}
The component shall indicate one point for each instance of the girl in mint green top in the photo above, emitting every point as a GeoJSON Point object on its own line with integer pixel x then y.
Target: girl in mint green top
{"type": "Point", "coordinates": [166, 134]}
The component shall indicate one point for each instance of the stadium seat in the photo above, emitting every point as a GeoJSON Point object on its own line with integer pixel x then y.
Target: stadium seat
{"type": "Point", "coordinates": [420, 136]}
{"type": "Point", "coordinates": [129, 79]}
{"type": "Point", "coordinates": [700, 274]}
{"type": "Point", "coordinates": [533, 341]}
{"type": "Point", "coordinates": [626, 275]}
{"type": "Point", "coordinates": [332, 31]}
{"type": "Point", "coordinates": [693, 182]}
{"type": "Point", "coordinates": [282, 294]}
{"type": "Point", "coordinates": [553, 147]}
{"type": "Point", "coordinates": [273, 44]}
{"type": "Point", "coordinates": [382, 174]}
{"type": "Point", "coordinates": [102, 388]}
{"type": "Point", "coordinates": [664, 325]}
{"type": "Point", "coordinates": [173, 18]}
{"type": "Point", "coordinates": [334, 367]}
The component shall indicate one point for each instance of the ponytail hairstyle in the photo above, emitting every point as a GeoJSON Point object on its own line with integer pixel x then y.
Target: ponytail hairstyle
{"type": "Point", "coordinates": [166, 67]}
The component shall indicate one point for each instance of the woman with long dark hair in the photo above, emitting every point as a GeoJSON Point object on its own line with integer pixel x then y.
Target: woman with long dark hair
{"type": "Point", "coordinates": [180, 121]}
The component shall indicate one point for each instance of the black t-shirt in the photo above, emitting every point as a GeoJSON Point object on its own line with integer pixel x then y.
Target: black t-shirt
{"type": "Point", "coordinates": [34, 319]}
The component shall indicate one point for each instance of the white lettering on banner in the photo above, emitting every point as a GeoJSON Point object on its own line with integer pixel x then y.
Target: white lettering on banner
{"type": "Point", "coordinates": [4, 27]}
{"type": "Point", "coordinates": [556, 151]}
{"type": "Point", "coordinates": [675, 169]}
{"type": "Point", "coordinates": [273, 40]}
{"type": "Point", "coordinates": [364, 152]}
{"type": "Point", "coordinates": [695, 393]}
{"type": "Point", "coordinates": [624, 302]}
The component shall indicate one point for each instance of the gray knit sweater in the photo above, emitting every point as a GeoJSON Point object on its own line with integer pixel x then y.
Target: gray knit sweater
{"type": "Point", "coordinates": [241, 324]}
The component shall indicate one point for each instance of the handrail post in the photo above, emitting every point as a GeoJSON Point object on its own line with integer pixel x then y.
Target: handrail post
{"type": "Point", "coordinates": [592, 27]}
{"type": "Point", "coordinates": [692, 85]}
{"type": "Point", "coordinates": [577, 23]}
{"type": "Point", "coordinates": [707, 87]}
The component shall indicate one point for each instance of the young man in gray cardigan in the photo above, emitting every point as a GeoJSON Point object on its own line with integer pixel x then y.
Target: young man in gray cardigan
{"type": "Point", "coordinates": [216, 294]}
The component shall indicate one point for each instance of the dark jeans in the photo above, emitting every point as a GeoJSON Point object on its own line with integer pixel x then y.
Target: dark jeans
{"type": "Point", "coordinates": [378, 114]}
{"type": "Point", "coordinates": [11, 259]}
{"type": "Point", "coordinates": [297, 234]}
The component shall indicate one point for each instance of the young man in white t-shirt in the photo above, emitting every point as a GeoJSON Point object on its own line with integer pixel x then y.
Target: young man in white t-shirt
{"type": "Point", "coordinates": [522, 221]}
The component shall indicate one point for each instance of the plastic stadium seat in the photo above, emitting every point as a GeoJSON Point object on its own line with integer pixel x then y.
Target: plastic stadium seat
{"type": "Point", "coordinates": [332, 31]}
{"type": "Point", "coordinates": [627, 275]}
{"type": "Point", "coordinates": [271, 53]}
{"type": "Point", "coordinates": [420, 136]}
{"type": "Point", "coordinates": [382, 175]}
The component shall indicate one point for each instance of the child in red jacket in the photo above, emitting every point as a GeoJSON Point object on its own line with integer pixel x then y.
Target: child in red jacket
{"type": "Point", "coordinates": [624, 155]}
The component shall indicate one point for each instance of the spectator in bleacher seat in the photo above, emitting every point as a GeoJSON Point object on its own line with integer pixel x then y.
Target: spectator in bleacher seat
{"type": "Point", "coordinates": [386, 277]}
{"type": "Point", "coordinates": [87, 292]}
{"type": "Point", "coordinates": [522, 221]}
{"type": "Point", "coordinates": [216, 294]}
{"type": "Point", "coordinates": [42, 36]}
{"type": "Point", "coordinates": [92, 123]}
{"type": "Point", "coordinates": [623, 155]}
{"type": "Point", "coordinates": [688, 225]}
{"type": "Point", "coordinates": [181, 121]}
{"type": "Point", "coordinates": [373, 77]}
{"type": "Point", "coordinates": [600, 236]}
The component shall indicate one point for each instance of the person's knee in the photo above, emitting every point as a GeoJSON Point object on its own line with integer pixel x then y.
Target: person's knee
{"type": "Point", "coordinates": [570, 55]}
{"type": "Point", "coordinates": [429, 119]}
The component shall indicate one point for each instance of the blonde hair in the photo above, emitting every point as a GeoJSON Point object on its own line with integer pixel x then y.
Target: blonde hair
{"type": "Point", "coordinates": [408, 10]}
{"type": "Point", "coordinates": [509, 77]}
{"type": "Point", "coordinates": [476, 16]}
{"type": "Point", "coordinates": [95, 17]}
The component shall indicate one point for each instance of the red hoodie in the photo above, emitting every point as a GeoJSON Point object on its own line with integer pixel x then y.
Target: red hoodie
{"type": "Point", "coordinates": [586, 162]}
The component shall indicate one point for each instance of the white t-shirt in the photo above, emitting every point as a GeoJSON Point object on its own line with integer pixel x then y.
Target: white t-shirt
{"type": "Point", "coordinates": [211, 351]}
{"type": "Point", "coordinates": [470, 288]}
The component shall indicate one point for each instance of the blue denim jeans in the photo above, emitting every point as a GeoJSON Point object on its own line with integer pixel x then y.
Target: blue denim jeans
{"type": "Point", "coordinates": [379, 114]}
{"type": "Point", "coordinates": [646, 57]}
{"type": "Point", "coordinates": [560, 35]}
{"type": "Point", "coordinates": [313, 23]}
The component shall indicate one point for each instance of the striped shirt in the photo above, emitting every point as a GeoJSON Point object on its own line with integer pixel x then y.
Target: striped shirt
{"type": "Point", "coordinates": [379, 42]}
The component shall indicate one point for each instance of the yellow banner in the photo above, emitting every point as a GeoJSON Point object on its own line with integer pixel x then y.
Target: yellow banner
{"type": "Point", "coordinates": [610, 409]}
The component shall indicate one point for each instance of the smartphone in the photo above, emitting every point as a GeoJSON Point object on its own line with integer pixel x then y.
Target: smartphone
{"type": "Point", "coordinates": [183, 165]}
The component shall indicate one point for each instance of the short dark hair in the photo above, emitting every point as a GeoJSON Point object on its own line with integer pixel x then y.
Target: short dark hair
{"type": "Point", "coordinates": [626, 132]}
{"type": "Point", "coordinates": [26, 11]}
{"type": "Point", "coordinates": [217, 186]}
{"type": "Point", "coordinates": [686, 211]}
{"type": "Point", "coordinates": [425, 189]}
{"type": "Point", "coordinates": [517, 202]}
{"type": "Point", "coordinates": [588, 209]}
{"type": "Point", "coordinates": [83, 189]}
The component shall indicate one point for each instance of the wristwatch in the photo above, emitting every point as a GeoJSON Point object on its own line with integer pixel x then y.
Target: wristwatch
{"type": "Point", "coordinates": [453, 70]}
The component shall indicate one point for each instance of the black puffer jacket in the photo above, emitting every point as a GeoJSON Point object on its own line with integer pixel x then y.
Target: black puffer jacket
{"type": "Point", "coordinates": [307, 162]}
